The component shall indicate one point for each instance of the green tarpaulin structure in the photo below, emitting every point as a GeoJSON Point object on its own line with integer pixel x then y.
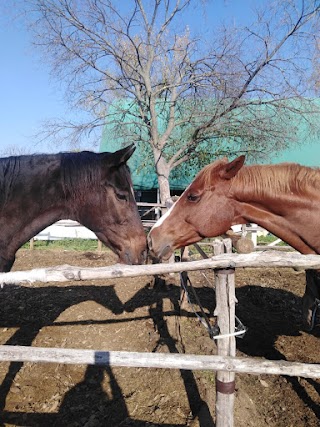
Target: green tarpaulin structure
{"type": "Point", "coordinates": [306, 152]}
{"type": "Point", "coordinates": [143, 176]}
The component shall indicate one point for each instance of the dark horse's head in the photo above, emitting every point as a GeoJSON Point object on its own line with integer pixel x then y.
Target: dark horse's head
{"type": "Point", "coordinates": [92, 188]}
{"type": "Point", "coordinates": [100, 189]}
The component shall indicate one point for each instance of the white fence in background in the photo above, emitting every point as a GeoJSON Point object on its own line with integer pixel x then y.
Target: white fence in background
{"type": "Point", "coordinates": [65, 229]}
{"type": "Point", "coordinates": [68, 229]}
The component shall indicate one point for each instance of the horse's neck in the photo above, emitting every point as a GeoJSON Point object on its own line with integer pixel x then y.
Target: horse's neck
{"type": "Point", "coordinates": [35, 201]}
{"type": "Point", "coordinates": [256, 203]}
{"type": "Point", "coordinates": [281, 213]}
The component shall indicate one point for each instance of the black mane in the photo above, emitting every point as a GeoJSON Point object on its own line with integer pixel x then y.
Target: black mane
{"type": "Point", "coordinates": [9, 171]}
{"type": "Point", "coordinates": [79, 172]}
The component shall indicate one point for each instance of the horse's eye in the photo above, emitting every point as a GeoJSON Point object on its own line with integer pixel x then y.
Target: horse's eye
{"type": "Point", "coordinates": [121, 196]}
{"type": "Point", "coordinates": [193, 198]}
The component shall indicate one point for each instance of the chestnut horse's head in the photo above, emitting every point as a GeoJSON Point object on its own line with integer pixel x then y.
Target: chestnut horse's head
{"type": "Point", "coordinates": [104, 201]}
{"type": "Point", "coordinates": [203, 210]}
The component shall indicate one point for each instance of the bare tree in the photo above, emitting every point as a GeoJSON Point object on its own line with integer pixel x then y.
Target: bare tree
{"type": "Point", "coordinates": [315, 77]}
{"type": "Point", "coordinates": [128, 65]}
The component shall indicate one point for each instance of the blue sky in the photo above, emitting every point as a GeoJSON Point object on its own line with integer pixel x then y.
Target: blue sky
{"type": "Point", "coordinates": [30, 96]}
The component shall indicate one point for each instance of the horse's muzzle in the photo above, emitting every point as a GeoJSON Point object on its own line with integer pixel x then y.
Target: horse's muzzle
{"type": "Point", "coordinates": [132, 258]}
{"type": "Point", "coordinates": [161, 251]}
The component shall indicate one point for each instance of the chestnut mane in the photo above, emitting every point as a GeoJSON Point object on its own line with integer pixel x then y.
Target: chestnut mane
{"type": "Point", "coordinates": [266, 180]}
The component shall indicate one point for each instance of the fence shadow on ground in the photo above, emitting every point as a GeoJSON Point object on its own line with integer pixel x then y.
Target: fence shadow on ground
{"type": "Point", "coordinates": [31, 309]}
{"type": "Point", "coordinates": [267, 313]}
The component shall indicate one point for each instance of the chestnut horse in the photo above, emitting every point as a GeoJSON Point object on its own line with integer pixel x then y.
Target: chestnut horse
{"type": "Point", "coordinates": [93, 189]}
{"type": "Point", "coordinates": [284, 199]}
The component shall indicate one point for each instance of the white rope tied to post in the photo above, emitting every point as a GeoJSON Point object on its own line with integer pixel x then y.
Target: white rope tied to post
{"type": "Point", "coordinates": [239, 332]}
{"type": "Point", "coordinates": [234, 334]}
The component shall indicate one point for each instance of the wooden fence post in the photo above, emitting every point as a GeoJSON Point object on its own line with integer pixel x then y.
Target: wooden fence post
{"type": "Point", "coordinates": [31, 242]}
{"type": "Point", "coordinates": [225, 312]}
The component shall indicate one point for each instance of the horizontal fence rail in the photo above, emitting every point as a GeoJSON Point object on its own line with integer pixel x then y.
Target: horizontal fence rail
{"type": "Point", "coordinates": [259, 259]}
{"type": "Point", "coordinates": [158, 360]}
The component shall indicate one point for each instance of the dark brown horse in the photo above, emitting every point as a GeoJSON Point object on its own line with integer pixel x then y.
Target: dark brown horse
{"type": "Point", "coordinates": [284, 199]}
{"type": "Point", "coordinates": [93, 189]}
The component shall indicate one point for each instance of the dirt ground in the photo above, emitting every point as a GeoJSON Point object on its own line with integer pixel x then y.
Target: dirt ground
{"type": "Point", "coordinates": [134, 315]}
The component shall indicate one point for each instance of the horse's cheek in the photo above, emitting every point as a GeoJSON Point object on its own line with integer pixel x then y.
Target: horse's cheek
{"type": "Point", "coordinates": [216, 218]}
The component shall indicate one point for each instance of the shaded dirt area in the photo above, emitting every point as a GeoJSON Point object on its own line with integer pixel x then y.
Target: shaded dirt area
{"type": "Point", "coordinates": [133, 315]}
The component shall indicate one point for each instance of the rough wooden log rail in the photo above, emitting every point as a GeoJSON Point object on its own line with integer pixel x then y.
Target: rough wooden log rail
{"type": "Point", "coordinates": [158, 360]}
{"type": "Point", "coordinates": [65, 273]}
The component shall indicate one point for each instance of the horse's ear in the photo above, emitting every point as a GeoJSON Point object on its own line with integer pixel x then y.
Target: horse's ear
{"type": "Point", "coordinates": [123, 155]}
{"type": "Point", "coordinates": [230, 170]}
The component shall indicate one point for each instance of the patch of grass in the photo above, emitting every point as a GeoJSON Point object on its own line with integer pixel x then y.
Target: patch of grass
{"type": "Point", "coordinates": [66, 244]}
{"type": "Point", "coordinates": [269, 238]}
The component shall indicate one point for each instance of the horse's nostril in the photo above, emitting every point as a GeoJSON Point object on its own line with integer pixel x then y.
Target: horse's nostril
{"type": "Point", "coordinates": [134, 258]}
{"type": "Point", "coordinates": [143, 257]}
{"type": "Point", "coordinates": [127, 258]}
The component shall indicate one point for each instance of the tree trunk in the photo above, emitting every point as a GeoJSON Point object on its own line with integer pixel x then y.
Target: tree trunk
{"type": "Point", "coordinates": [164, 188]}
{"type": "Point", "coordinates": [163, 172]}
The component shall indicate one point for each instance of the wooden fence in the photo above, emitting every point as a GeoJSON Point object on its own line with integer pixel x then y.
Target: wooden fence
{"type": "Point", "coordinates": [225, 365]}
